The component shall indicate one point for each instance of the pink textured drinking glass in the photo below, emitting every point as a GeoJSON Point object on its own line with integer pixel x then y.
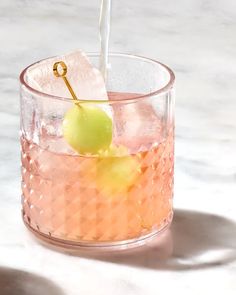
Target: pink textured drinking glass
{"type": "Point", "coordinates": [116, 200]}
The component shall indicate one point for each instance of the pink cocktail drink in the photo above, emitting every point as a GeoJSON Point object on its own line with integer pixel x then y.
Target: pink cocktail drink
{"type": "Point", "coordinates": [64, 197]}
{"type": "Point", "coordinates": [111, 198]}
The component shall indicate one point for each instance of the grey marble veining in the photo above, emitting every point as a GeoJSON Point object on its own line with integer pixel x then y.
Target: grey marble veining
{"type": "Point", "coordinates": [197, 38]}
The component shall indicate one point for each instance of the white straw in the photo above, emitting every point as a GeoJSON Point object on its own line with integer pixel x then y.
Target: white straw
{"type": "Point", "coordinates": [104, 25]}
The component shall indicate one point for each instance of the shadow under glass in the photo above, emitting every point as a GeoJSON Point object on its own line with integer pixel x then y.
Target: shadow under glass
{"type": "Point", "coordinates": [195, 240]}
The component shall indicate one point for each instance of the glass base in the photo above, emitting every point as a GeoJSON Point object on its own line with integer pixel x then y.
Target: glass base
{"type": "Point", "coordinates": [74, 247]}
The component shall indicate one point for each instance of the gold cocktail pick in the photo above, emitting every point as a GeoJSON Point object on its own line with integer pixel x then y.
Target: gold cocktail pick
{"type": "Point", "coordinates": [62, 74]}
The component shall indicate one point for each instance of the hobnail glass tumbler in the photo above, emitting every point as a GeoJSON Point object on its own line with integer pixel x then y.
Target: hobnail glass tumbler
{"type": "Point", "coordinates": [118, 199]}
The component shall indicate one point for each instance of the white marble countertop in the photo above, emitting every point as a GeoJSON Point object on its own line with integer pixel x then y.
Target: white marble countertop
{"type": "Point", "coordinates": [197, 38]}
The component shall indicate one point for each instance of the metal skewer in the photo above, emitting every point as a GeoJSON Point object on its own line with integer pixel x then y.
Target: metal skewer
{"type": "Point", "coordinates": [60, 70]}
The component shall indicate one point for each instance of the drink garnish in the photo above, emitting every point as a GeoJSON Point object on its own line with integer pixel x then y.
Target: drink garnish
{"type": "Point", "coordinates": [117, 171]}
{"type": "Point", "coordinates": [87, 128]}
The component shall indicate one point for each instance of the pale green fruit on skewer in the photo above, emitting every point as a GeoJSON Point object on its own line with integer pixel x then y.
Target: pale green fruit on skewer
{"type": "Point", "coordinates": [117, 171]}
{"type": "Point", "coordinates": [116, 175]}
{"type": "Point", "coordinates": [87, 129]}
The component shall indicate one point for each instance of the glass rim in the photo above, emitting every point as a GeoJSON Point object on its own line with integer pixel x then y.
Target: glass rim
{"type": "Point", "coordinates": [132, 98]}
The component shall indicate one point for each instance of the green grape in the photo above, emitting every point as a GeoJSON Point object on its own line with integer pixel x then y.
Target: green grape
{"type": "Point", "coordinates": [87, 129]}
